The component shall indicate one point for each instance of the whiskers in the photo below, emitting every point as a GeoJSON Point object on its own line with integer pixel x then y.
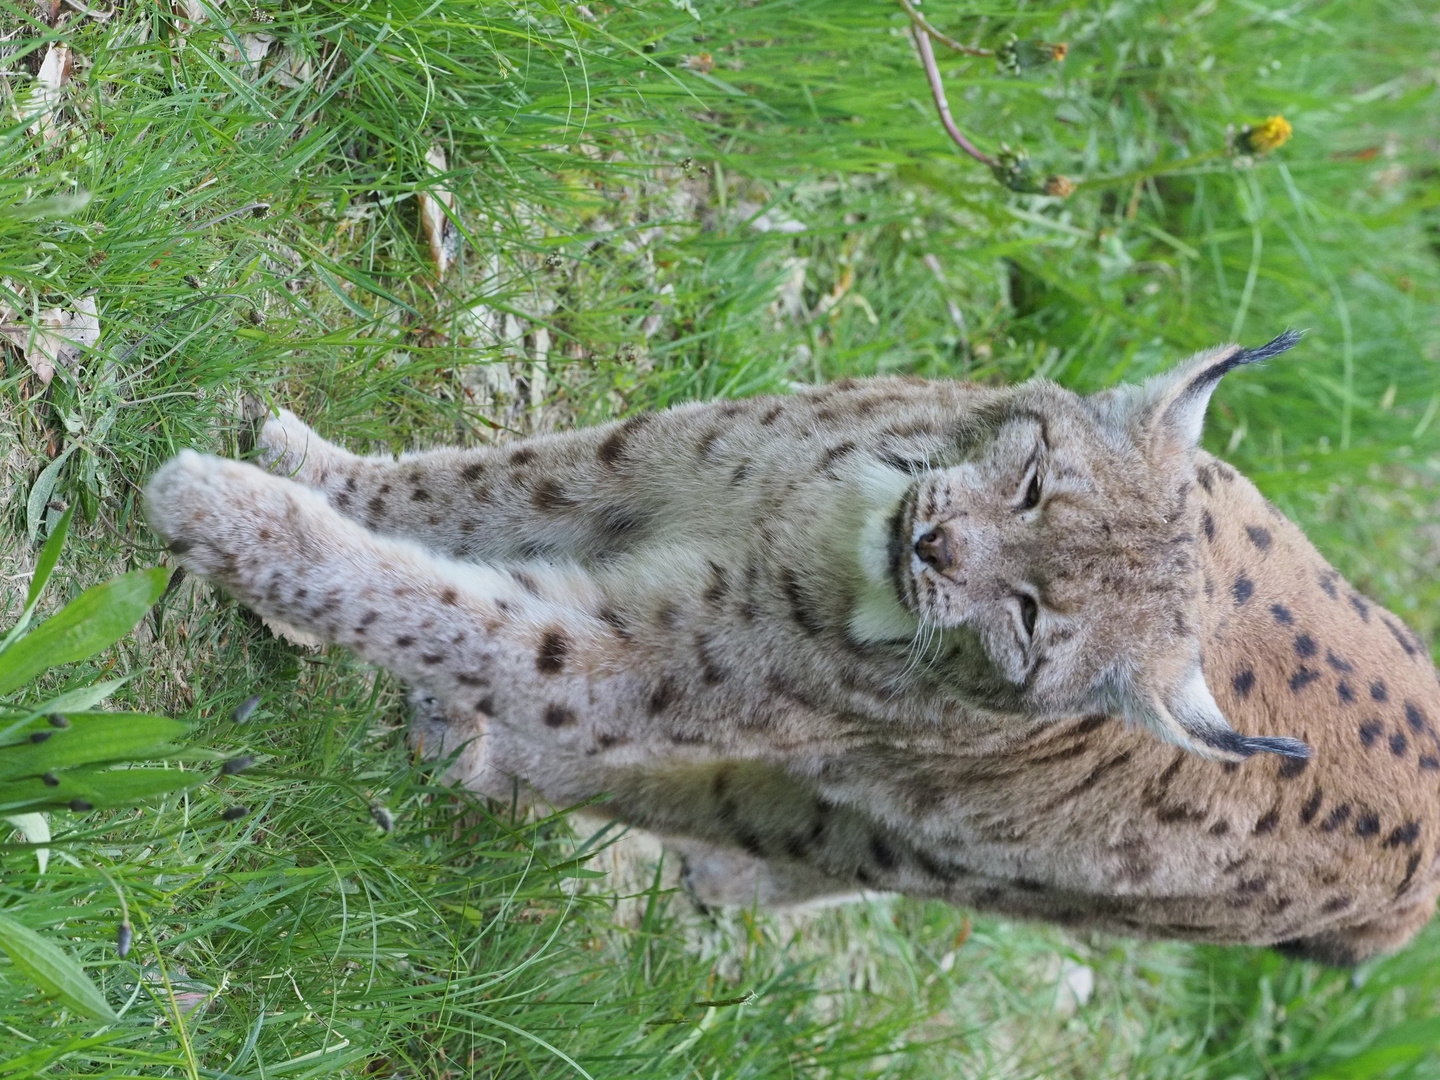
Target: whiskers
{"type": "Point", "coordinates": [924, 649]}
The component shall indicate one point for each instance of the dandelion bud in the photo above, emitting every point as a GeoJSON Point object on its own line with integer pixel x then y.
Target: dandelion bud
{"type": "Point", "coordinates": [50, 780]}
{"type": "Point", "coordinates": [123, 936]}
{"type": "Point", "coordinates": [235, 813]}
{"type": "Point", "coordinates": [236, 765]}
{"type": "Point", "coordinates": [1016, 56]}
{"type": "Point", "coordinates": [81, 805]}
{"type": "Point", "coordinates": [39, 736]}
{"type": "Point", "coordinates": [1062, 187]}
{"type": "Point", "coordinates": [57, 720]}
{"type": "Point", "coordinates": [382, 816]}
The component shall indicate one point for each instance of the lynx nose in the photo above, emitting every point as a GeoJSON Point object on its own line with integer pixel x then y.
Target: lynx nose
{"type": "Point", "coordinates": [933, 550]}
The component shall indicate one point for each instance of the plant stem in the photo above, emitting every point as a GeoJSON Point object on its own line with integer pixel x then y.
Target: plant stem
{"type": "Point", "coordinates": [937, 89]}
{"type": "Point", "coordinates": [920, 21]}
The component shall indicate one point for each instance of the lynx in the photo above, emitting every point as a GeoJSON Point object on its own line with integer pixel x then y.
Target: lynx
{"type": "Point", "coordinates": [1023, 650]}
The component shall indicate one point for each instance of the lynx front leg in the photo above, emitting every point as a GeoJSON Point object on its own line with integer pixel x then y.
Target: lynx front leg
{"type": "Point", "coordinates": [522, 654]}
{"type": "Point", "coordinates": [558, 496]}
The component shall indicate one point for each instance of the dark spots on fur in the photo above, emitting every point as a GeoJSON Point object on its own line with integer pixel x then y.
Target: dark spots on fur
{"type": "Point", "coordinates": [1243, 683]}
{"type": "Point", "coordinates": [1093, 777]}
{"type": "Point", "coordinates": [835, 453]}
{"type": "Point", "coordinates": [1334, 904]}
{"type": "Point", "coordinates": [1367, 825]}
{"type": "Point", "coordinates": [711, 672]}
{"type": "Point", "coordinates": [1411, 865]}
{"type": "Point", "coordinates": [799, 604]}
{"type": "Point", "coordinates": [706, 443]}
{"type": "Point", "coordinates": [1206, 476]}
{"type": "Point", "coordinates": [936, 869]}
{"type": "Point", "coordinates": [882, 852]}
{"type": "Point", "coordinates": [350, 484]}
{"type": "Point", "coordinates": [1267, 822]}
{"type": "Point", "coordinates": [549, 495]}
{"type": "Point", "coordinates": [1378, 691]}
{"type": "Point", "coordinates": [1370, 730]}
{"type": "Point", "coordinates": [554, 647]}
{"type": "Point", "coordinates": [1282, 614]}
{"type": "Point", "coordinates": [1327, 584]}
{"type": "Point", "coordinates": [1259, 536]}
{"type": "Point", "coordinates": [719, 585]}
{"type": "Point", "coordinates": [1179, 814]}
{"type": "Point", "coordinates": [1207, 524]}
{"type": "Point", "coordinates": [449, 597]}
{"type": "Point", "coordinates": [1311, 807]}
{"type": "Point", "coordinates": [613, 619]}
{"type": "Point", "coordinates": [1252, 886]}
{"type": "Point", "coordinates": [1344, 693]}
{"type": "Point", "coordinates": [342, 501]}
{"type": "Point", "coordinates": [669, 617]}
{"type": "Point", "coordinates": [467, 679]}
{"type": "Point", "coordinates": [1230, 767]}
{"type": "Point", "coordinates": [1302, 678]}
{"type": "Point", "coordinates": [419, 495]}
{"type": "Point", "coordinates": [720, 784]}
{"type": "Point", "coordinates": [1305, 646]}
{"type": "Point", "coordinates": [1089, 724]}
{"type": "Point", "coordinates": [741, 473]}
{"type": "Point", "coordinates": [1429, 762]}
{"type": "Point", "coordinates": [1220, 828]}
{"type": "Point", "coordinates": [1399, 634]}
{"type": "Point", "coordinates": [1361, 607]}
{"type": "Point", "coordinates": [384, 489]}
{"type": "Point", "coordinates": [1399, 744]}
{"type": "Point", "coordinates": [772, 414]}
{"type": "Point", "coordinates": [525, 581]}
{"type": "Point", "coordinates": [1415, 718]}
{"type": "Point", "coordinates": [1242, 590]}
{"type": "Point", "coordinates": [1336, 818]}
{"type": "Point", "coordinates": [375, 507]}
{"type": "Point", "coordinates": [1405, 835]}
{"type": "Point", "coordinates": [473, 471]}
{"type": "Point", "coordinates": [486, 705]}
{"type": "Point", "coordinates": [608, 741]}
{"type": "Point", "coordinates": [1291, 767]}
{"type": "Point", "coordinates": [404, 641]}
{"type": "Point", "coordinates": [559, 716]}
{"type": "Point", "coordinates": [431, 659]}
{"type": "Point", "coordinates": [521, 455]}
{"type": "Point", "coordinates": [1339, 663]}
{"type": "Point", "coordinates": [662, 697]}
{"type": "Point", "coordinates": [502, 606]}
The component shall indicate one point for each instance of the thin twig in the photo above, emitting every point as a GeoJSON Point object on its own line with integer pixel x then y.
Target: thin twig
{"type": "Point", "coordinates": [937, 88]}
{"type": "Point", "coordinates": [919, 20]}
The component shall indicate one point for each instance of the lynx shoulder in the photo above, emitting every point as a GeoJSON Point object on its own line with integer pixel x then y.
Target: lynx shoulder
{"type": "Point", "coordinates": [1016, 648]}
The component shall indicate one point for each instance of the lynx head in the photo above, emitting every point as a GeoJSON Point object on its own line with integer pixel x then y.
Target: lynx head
{"type": "Point", "coordinates": [1059, 555]}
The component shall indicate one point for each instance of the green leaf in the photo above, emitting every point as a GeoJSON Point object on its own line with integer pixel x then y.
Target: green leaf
{"type": "Point", "coordinates": [80, 699]}
{"type": "Point", "coordinates": [97, 618]}
{"type": "Point", "coordinates": [41, 491]}
{"type": "Point", "coordinates": [103, 789]}
{"type": "Point", "coordinates": [90, 738]}
{"type": "Point", "coordinates": [49, 556]}
{"type": "Point", "coordinates": [53, 970]}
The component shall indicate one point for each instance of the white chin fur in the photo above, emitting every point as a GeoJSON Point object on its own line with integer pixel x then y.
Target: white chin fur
{"type": "Point", "coordinates": [878, 614]}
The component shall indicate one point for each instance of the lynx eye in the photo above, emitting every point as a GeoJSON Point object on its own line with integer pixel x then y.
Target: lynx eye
{"type": "Point", "coordinates": [1032, 492]}
{"type": "Point", "coordinates": [1029, 612]}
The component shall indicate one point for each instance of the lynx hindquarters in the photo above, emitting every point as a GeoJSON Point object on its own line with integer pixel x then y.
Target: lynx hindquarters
{"type": "Point", "coordinates": [873, 637]}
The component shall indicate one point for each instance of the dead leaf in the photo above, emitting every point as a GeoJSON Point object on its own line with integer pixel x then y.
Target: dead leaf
{"type": "Point", "coordinates": [252, 48]}
{"type": "Point", "coordinates": [440, 230]}
{"type": "Point", "coordinates": [45, 94]}
{"type": "Point", "coordinates": [57, 338]}
{"type": "Point", "coordinates": [703, 62]}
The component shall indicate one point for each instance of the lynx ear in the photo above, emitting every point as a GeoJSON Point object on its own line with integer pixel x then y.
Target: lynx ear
{"type": "Point", "coordinates": [1186, 714]}
{"type": "Point", "coordinates": [1168, 410]}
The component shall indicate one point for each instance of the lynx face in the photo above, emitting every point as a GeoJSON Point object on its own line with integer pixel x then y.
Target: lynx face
{"type": "Point", "coordinates": [1057, 558]}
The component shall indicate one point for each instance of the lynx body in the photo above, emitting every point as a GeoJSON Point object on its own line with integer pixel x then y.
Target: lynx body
{"type": "Point", "coordinates": [1015, 648]}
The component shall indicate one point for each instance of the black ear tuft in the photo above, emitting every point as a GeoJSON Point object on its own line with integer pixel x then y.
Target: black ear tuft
{"type": "Point", "coordinates": [1244, 746]}
{"type": "Point", "coordinates": [1284, 343]}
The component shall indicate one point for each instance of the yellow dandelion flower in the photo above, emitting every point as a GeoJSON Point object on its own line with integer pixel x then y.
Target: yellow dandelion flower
{"type": "Point", "coordinates": [1264, 137]}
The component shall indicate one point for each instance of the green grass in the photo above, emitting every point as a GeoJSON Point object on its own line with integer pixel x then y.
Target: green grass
{"type": "Point", "coordinates": [602, 183]}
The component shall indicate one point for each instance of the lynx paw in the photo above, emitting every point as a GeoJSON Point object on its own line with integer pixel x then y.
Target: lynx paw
{"type": "Point", "coordinates": [289, 447]}
{"type": "Point", "coordinates": [215, 513]}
